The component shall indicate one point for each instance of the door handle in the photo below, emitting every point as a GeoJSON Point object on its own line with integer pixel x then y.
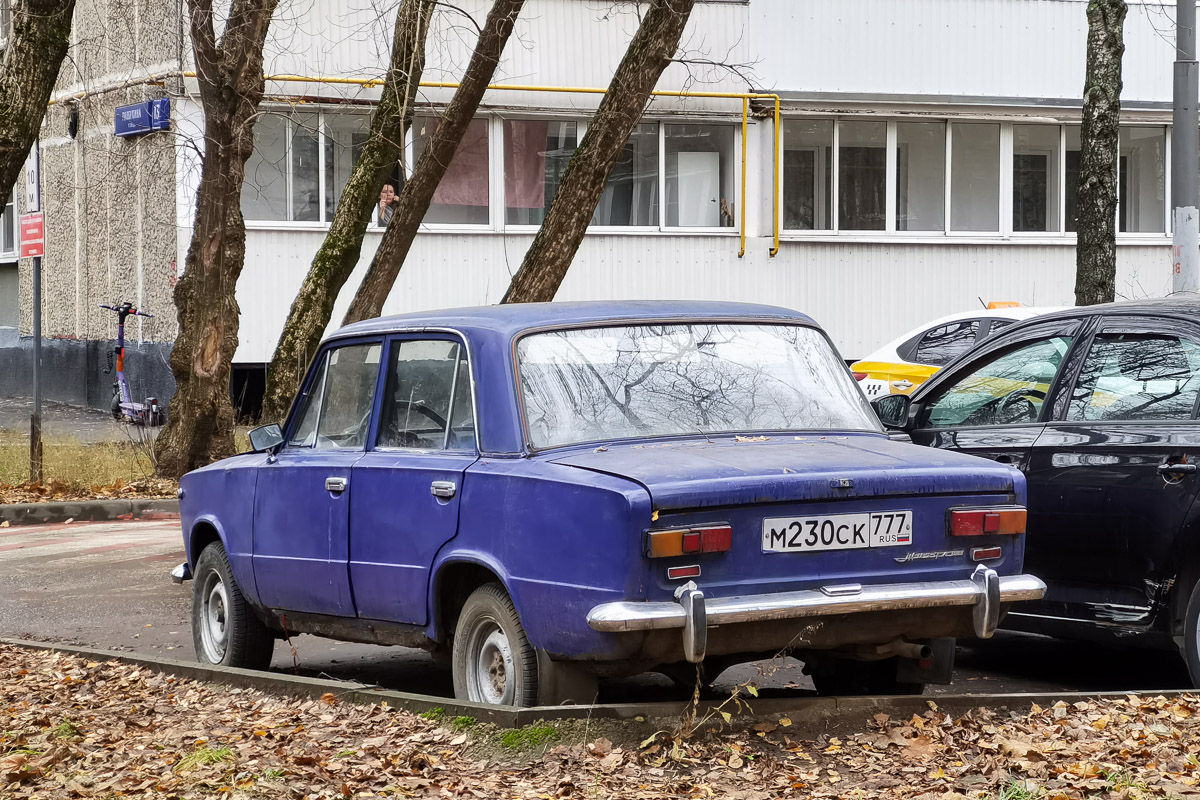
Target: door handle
{"type": "Point", "coordinates": [443, 489]}
{"type": "Point", "coordinates": [1178, 469]}
{"type": "Point", "coordinates": [1007, 459]}
{"type": "Point", "coordinates": [335, 485]}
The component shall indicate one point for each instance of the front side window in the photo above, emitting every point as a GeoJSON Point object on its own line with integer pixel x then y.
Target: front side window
{"type": "Point", "coordinates": [1129, 376]}
{"type": "Point", "coordinates": [700, 185]}
{"type": "Point", "coordinates": [944, 343]}
{"type": "Point", "coordinates": [427, 399]}
{"type": "Point", "coordinates": [336, 409]}
{"type": "Point", "coordinates": [463, 196]}
{"type": "Point", "coordinates": [630, 196]}
{"type": "Point", "coordinates": [1008, 389]}
{"type": "Point", "coordinates": [536, 153]}
{"type": "Point", "coordinates": [597, 384]}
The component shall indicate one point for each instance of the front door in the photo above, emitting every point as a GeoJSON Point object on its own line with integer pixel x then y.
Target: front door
{"type": "Point", "coordinates": [302, 499]}
{"type": "Point", "coordinates": [1112, 507]}
{"type": "Point", "coordinates": [407, 488]}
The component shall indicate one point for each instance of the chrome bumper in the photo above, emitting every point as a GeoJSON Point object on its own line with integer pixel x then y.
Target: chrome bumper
{"type": "Point", "coordinates": [181, 573]}
{"type": "Point", "coordinates": [984, 590]}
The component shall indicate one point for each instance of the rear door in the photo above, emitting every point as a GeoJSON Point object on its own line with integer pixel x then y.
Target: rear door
{"type": "Point", "coordinates": [302, 498]}
{"type": "Point", "coordinates": [407, 488]}
{"type": "Point", "coordinates": [992, 404]}
{"type": "Point", "coordinates": [1110, 506]}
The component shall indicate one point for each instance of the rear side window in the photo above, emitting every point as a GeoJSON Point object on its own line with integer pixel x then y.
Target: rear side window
{"type": "Point", "coordinates": [337, 407]}
{"type": "Point", "coordinates": [427, 399]}
{"type": "Point", "coordinates": [940, 346]}
{"type": "Point", "coordinates": [1007, 389]}
{"type": "Point", "coordinates": [1128, 376]}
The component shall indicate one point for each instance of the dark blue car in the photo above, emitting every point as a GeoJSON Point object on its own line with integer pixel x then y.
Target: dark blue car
{"type": "Point", "coordinates": [551, 493]}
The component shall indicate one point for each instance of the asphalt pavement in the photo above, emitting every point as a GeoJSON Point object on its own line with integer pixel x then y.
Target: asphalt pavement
{"type": "Point", "coordinates": [107, 585]}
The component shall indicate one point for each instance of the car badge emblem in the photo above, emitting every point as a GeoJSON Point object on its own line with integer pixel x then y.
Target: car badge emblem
{"type": "Point", "coordinates": [842, 483]}
{"type": "Point", "coordinates": [910, 557]}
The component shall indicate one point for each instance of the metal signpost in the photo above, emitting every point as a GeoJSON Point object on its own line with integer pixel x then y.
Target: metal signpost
{"type": "Point", "coordinates": [33, 245]}
{"type": "Point", "coordinates": [1185, 155]}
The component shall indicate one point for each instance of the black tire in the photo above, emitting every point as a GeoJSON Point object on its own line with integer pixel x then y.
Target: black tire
{"type": "Point", "coordinates": [225, 630]}
{"type": "Point", "coordinates": [492, 659]}
{"type": "Point", "coordinates": [115, 407]}
{"type": "Point", "coordinates": [848, 678]}
{"type": "Point", "coordinates": [1191, 636]}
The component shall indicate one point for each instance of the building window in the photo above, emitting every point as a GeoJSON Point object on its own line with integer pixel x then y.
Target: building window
{"type": "Point", "coordinates": [807, 174]}
{"type": "Point", "coordinates": [631, 195]}
{"type": "Point", "coordinates": [974, 177]}
{"type": "Point", "coordinates": [1035, 178]}
{"type": "Point", "coordinates": [264, 191]}
{"type": "Point", "coordinates": [5, 22]}
{"type": "Point", "coordinates": [700, 182]}
{"type": "Point", "coordinates": [921, 176]}
{"type": "Point", "coordinates": [8, 228]}
{"type": "Point", "coordinates": [862, 176]}
{"type": "Point", "coordinates": [463, 196]}
{"type": "Point", "coordinates": [1141, 182]}
{"type": "Point", "coordinates": [536, 153]}
{"type": "Point", "coordinates": [345, 136]}
{"type": "Point", "coordinates": [305, 169]}
{"type": "Point", "coordinates": [1071, 180]}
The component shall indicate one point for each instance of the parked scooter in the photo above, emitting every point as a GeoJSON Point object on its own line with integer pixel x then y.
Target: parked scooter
{"type": "Point", "coordinates": [147, 413]}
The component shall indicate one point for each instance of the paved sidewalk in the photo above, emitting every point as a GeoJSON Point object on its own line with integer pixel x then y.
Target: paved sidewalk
{"type": "Point", "coordinates": [61, 420]}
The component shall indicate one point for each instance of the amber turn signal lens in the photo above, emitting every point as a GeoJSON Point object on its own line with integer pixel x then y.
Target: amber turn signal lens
{"type": "Point", "coordinates": [1002, 520]}
{"type": "Point", "coordinates": [689, 541]}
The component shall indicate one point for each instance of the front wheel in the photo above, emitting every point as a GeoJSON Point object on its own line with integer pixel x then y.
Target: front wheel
{"type": "Point", "coordinates": [492, 659]}
{"type": "Point", "coordinates": [225, 630]}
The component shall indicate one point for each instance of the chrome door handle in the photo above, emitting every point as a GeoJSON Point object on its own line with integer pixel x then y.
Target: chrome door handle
{"type": "Point", "coordinates": [1167, 469]}
{"type": "Point", "coordinates": [443, 489]}
{"type": "Point", "coordinates": [335, 485]}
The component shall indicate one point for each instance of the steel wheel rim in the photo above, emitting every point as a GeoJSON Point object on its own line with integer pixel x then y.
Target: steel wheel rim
{"type": "Point", "coordinates": [214, 611]}
{"type": "Point", "coordinates": [491, 670]}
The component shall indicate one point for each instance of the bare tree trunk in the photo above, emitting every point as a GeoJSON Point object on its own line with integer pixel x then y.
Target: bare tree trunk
{"type": "Point", "coordinates": [549, 256]}
{"type": "Point", "coordinates": [340, 251]}
{"type": "Point", "coordinates": [1096, 251]}
{"type": "Point", "coordinates": [230, 74]}
{"type": "Point", "coordinates": [418, 192]}
{"type": "Point", "coordinates": [41, 32]}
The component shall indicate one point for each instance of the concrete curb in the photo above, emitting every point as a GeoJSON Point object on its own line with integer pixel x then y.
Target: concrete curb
{"type": "Point", "coordinates": [87, 510]}
{"type": "Point", "coordinates": [809, 715]}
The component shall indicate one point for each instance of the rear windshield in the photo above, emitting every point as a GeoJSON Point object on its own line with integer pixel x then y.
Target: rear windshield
{"type": "Point", "coordinates": [595, 384]}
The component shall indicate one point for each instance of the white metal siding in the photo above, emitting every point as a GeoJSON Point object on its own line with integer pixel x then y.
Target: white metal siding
{"type": "Point", "coordinates": [863, 294]}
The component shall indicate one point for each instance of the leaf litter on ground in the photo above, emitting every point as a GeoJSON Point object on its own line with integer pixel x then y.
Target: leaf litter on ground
{"type": "Point", "coordinates": [74, 728]}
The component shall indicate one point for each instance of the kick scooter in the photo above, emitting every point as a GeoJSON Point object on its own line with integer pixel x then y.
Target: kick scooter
{"type": "Point", "coordinates": [147, 413]}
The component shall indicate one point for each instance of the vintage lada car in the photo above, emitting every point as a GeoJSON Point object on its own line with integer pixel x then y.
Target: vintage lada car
{"type": "Point", "coordinates": [545, 494]}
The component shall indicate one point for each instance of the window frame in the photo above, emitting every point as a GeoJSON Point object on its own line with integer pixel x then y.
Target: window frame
{"type": "Point", "coordinates": [1004, 233]}
{"type": "Point", "coordinates": [427, 335]}
{"type": "Point", "coordinates": [1135, 324]}
{"type": "Point", "coordinates": [319, 363]}
{"type": "Point", "coordinates": [14, 255]}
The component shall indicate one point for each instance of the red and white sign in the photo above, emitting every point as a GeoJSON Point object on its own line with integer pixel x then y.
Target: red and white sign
{"type": "Point", "coordinates": [33, 235]}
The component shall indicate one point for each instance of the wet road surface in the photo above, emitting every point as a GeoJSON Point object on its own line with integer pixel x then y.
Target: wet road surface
{"type": "Point", "coordinates": [106, 585]}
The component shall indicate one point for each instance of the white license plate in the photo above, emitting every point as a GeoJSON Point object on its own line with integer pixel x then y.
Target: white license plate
{"type": "Point", "coordinates": [837, 532]}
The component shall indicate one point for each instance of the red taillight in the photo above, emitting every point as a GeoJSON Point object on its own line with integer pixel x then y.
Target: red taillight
{"type": "Point", "coordinates": [985, 553]}
{"type": "Point", "coordinates": [679, 573]}
{"type": "Point", "coordinates": [984, 521]}
{"type": "Point", "coordinates": [858, 376]}
{"type": "Point", "coordinates": [689, 541]}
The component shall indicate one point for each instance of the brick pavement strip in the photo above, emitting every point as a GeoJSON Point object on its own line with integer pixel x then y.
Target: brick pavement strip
{"type": "Point", "coordinates": [87, 510]}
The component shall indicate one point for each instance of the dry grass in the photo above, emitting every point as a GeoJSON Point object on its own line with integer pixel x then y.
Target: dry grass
{"type": "Point", "coordinates": [73, 469]}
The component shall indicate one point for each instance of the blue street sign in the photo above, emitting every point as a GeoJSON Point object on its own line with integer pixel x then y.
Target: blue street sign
{"type": "Point", "coordinates": [152, 115]}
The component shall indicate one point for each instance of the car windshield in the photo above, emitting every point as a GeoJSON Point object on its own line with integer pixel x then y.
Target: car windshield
{"type": "Point", "coordinates": [595, 384]}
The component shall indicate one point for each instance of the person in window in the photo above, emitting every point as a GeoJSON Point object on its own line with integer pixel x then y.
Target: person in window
{"type": "Point", "coordinates": [388, 201]}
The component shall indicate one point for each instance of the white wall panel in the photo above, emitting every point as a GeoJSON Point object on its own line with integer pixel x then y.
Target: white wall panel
{"type": "Point", "coordinates": [863, 294]}
{"type": "Point", "coordinates": [1000, 48]}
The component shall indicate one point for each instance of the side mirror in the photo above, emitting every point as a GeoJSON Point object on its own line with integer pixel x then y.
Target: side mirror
{"type": "Point", "coordinates": [266, 439]}
{"type": "Point", "coordinates": [892, 409]}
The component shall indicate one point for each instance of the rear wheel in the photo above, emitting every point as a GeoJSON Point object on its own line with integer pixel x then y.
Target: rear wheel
{"type": "Point", "coordinates": [225, 630]}
{"type": "Point", "coordinates": [1191, 636]}
{"type": "Point", "coordinates": [845, 677]}
{"type": "Point", "coordinates": [493, 661]}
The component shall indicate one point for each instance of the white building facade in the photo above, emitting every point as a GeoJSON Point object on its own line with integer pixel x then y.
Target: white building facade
{"type": "Point", "coordinates": [926, 158]}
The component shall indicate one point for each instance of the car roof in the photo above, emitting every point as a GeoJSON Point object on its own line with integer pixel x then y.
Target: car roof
{"type": "Point", "coordinates": [1185, 305]}
{"type": "Point", "coordinates": [510, 320]}
{"type": "Point", "coordinates": [888, 352]}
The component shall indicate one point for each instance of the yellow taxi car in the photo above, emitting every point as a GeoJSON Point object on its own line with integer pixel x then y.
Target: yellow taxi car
{"type": "Point", "coordinates": [902, 365]}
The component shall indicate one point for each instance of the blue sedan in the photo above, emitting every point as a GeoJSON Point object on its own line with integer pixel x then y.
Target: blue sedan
{"type": "Point", "coordinates": [551, 493]}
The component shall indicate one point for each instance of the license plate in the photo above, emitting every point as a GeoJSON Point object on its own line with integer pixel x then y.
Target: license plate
{"type": "Point", "coordinates": [837, 532]}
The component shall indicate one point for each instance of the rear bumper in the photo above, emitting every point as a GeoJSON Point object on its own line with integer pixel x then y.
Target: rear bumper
{"type": "Point", "coordinates": [984, 591]}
